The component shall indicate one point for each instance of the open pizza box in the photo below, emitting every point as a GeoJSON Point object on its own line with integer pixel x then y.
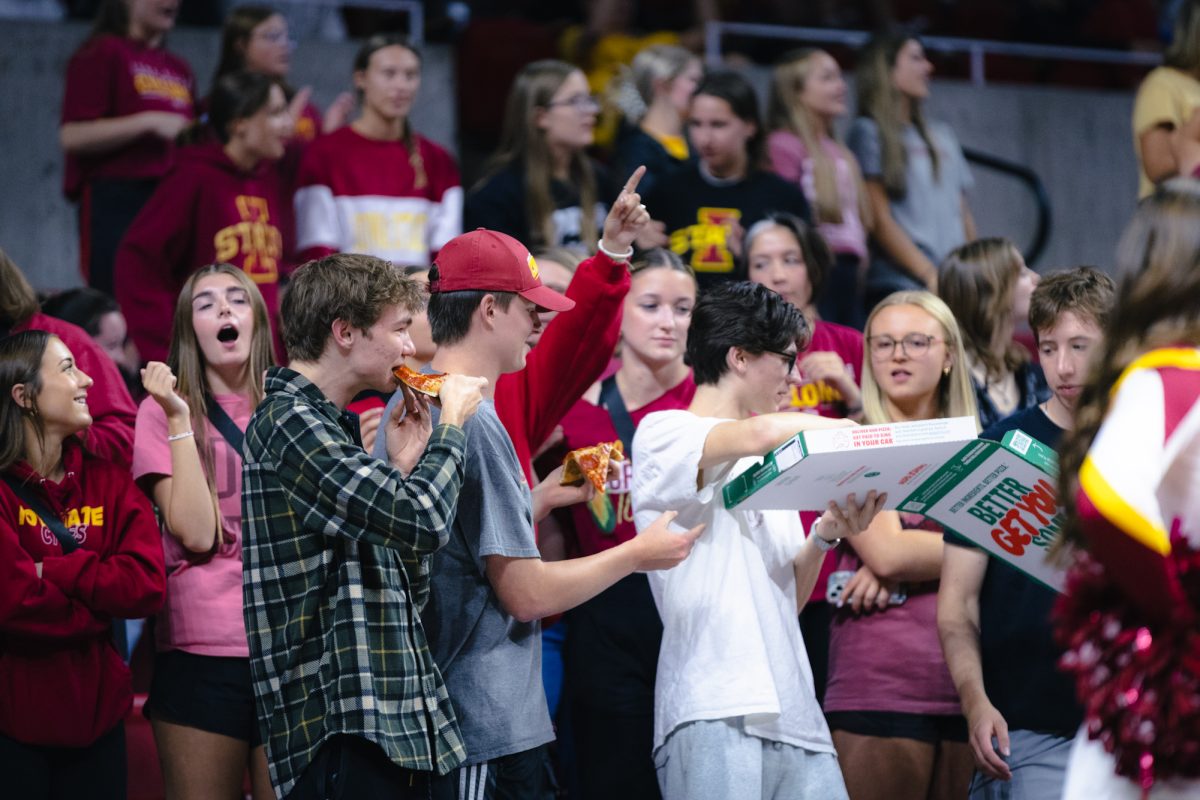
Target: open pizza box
{"type": "Point", "coordinates": [999, 496]}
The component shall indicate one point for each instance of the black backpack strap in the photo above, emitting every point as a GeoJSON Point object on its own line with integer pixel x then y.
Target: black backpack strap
{"type": "Point", "coordinates": [224, 424]}
{"type": "Point", "coordinates": [611, 400]}
{"type": "Point", "coordinates": [52, 522]}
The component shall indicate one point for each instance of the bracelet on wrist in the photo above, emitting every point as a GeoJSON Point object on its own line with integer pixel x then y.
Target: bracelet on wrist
{"type": "Point", "coordinates": [175, 437]}
{"type": "Point", "coordinates": [615, 256]}
{"type": "Point", "coordinates": [822, 544]}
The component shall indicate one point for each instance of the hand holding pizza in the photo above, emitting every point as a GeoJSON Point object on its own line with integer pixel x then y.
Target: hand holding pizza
{"type": "Point", "coordinates": [408, 430]}
{"type": "Point", "coordinates": [627, 218]}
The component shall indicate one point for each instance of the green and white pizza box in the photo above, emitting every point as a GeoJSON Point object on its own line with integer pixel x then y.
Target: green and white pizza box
{"type": "Point", "coordinates": [814, 467]}
{"type": "Point", "coordinates": [1002, 498]}
{"type": "Point", "coordinates": [999, 496]}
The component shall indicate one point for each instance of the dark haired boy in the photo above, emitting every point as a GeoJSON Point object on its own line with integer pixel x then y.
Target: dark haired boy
{"type": "Point", "coordinates": [994, 620]}
{"type": "Point", "coordinates": [734, 709]}
{"type": "Point", "coordinates": [490, 586]}
{"type": "Point", "coordinates": [337, 545]}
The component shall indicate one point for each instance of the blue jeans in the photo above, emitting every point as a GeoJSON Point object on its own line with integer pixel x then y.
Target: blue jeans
{"type": "Point", "coordinates": [1039, 768]}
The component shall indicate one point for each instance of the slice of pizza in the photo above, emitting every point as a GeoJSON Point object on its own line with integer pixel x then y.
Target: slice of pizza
{"type": "Point", "coordinates": [430, 384]}
{"type": "Point", "coordinates": [591, 463]}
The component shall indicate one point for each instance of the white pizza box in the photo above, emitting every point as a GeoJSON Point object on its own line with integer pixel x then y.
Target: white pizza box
{"type": "Point", "coordinates": [815, 467]}
{"type": "Point", "coordinates": [1002, 498]}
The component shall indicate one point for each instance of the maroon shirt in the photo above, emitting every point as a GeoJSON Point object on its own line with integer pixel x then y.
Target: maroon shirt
{"type": "Point", "coordinates": [205, 210]}
{"type": "Point", "coordinates": [586, 425]}
{"type": "Point", "coordinates": [113, 76]}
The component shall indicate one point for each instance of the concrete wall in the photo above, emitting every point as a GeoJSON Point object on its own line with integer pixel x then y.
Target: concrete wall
{"type": "Point", "coordinates": [1078, 141]}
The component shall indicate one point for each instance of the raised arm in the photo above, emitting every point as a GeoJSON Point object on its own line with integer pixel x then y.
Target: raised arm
{"type": "Point", "coordinates": [755, 436]}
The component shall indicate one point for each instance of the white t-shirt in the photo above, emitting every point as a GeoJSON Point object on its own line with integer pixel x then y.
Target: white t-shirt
{"type": "Point", "coordinates": [731, 643]}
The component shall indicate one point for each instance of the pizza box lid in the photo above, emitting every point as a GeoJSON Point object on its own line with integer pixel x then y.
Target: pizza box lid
{"type": "Point", "coordinates": [814, 467]}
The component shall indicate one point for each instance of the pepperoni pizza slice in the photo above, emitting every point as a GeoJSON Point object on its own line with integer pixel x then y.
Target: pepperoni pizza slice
{"type": "Point", "coordinates": [430, 384]}
{"type": "Point", "coordinates": [591, 463]}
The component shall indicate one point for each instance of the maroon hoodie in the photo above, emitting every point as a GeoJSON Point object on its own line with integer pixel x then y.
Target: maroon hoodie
{"type": "Point", "coordinates": [205, 210]}
{"type": "Point", "coordinates": [62, 683]}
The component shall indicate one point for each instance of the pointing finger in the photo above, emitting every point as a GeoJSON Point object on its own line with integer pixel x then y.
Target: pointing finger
{"type": "Point", "coordinates": [634, 179]}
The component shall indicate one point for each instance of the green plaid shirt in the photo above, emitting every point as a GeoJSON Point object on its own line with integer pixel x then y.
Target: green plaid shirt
{"type": "Point", "coordinates": [336, 548]}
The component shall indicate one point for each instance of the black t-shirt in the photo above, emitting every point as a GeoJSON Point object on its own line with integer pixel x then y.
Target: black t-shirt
{"type": "Point", "coordinates": [1016, 641]}
{"type": "Point", "coordinates": [499, 205]}
{"type": "Point", "coordinates": [697, 211]}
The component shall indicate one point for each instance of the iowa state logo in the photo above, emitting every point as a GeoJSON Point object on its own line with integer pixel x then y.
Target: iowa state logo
{"type": "Point", "coordinates": [708, 240]}
{"type": "Point", "coordinates": [254, 242]}
{"type": "Point", "coordinates": [77, 520]}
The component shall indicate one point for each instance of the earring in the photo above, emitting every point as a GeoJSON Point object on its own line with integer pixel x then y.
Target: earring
{"type": "Point", "coordinates": [946, 370]}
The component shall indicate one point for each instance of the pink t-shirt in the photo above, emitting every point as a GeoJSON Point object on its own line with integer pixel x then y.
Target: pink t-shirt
{"type": "Point", "coordinates": [790, 160]}
{"type": "Point", "coordinates": [891, 660]}
{"type": "Point", "coordinates": [203, 610]}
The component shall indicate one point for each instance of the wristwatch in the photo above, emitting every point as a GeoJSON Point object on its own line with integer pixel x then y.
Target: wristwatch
{"type": "Point", "coordinates": [823, 544]}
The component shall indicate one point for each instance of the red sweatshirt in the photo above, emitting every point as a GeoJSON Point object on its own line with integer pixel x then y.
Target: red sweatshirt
{"type": "Point", "coordinates": [206, 209]}
{"type": "Point", "coordinates": [113, 411]}
{"type": "Point", "coordinates": [62, 683]}
{"type": "Point", "coordinates": [571, 355]}
{"type": "Point", "coordinates": [113, 76]}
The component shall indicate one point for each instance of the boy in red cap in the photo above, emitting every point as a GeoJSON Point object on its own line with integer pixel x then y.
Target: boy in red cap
{"type": "Point", "coordinates": [490, 587]}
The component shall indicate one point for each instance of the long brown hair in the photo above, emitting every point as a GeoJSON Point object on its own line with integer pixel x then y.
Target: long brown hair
{"type": "Point", "coordinates": [18, 301]}
{"type": "Point", "coordinates": [20, 362]}
{"type": "Point", "coordinates": [235, 38]}
{"type": "Point", "coordinates": [785, 112]}
{"type": "Point", "coordinates": [522, 141]}
{"type": "Point", "coordinates": [977, 281]}
{"type": "Point", "coordinates": [186, 360]}
{"type": "Point", "coordinates": [1158, 283]}
{"type": "Point", "coordinates": [362, 60]}
{"type": "Point", "coordinates": [879, 99]}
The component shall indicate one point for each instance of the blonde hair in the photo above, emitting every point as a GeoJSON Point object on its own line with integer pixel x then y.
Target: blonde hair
{"type": "Point", "coordinates": [785, 112]}
{"type": "Point", "coordinates": [522, 141]}
{"type": "Point", "coordinates": [956, 397]}
{"type": "Point", "coordinates": [977, 281]}
{"type": "Point", "coordinates": [1183, 53]}
{"type": "Point", "coordinates": [879, 99]}
{"type": "Point", "coordinates": [634, 92]}
{"type": "Point", "coordinates": [186, 360]}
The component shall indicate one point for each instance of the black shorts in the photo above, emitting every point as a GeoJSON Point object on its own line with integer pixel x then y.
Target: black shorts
{"type": "Point", "coordinates": [931, 728]}
{"type": "Point", "coordinates": [211, 693]}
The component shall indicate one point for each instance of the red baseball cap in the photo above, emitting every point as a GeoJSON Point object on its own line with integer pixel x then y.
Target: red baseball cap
{"type": "Point", "coordinates": [484, 260]}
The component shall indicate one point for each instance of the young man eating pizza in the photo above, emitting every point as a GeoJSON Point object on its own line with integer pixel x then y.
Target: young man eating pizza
{"type": "Point", "coordinates": [490, 587]}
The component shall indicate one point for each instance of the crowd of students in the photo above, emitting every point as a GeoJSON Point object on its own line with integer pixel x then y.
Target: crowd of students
{"type": "Point", "coordinates": [361, 592]}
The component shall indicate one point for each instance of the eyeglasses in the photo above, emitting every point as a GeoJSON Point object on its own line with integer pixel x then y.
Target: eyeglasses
{"type": "Point", "coordinates": [914, 345]}
{"type": "Point", "coordinates": [583, 103]}
{"type": "Point", "coordinates": [788, 358]}
{"type": "Point", "coordinates": [276, 37]}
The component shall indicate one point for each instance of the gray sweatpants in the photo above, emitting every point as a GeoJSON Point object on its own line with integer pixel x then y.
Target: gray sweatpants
{"type": "Point", "coordinates": [718, 760]}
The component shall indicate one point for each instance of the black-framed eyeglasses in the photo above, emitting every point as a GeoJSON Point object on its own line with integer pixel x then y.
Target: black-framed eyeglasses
{"type": "Point", "coordinates": [580, 102]}
{"type": "Point", "coordinates": [788, 358]}
{"type": "Point", "coordinates": [914, 345]}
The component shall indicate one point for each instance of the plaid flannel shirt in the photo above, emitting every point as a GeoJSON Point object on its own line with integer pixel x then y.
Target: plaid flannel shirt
{"type": "Point", "coordinates": [336, 556]}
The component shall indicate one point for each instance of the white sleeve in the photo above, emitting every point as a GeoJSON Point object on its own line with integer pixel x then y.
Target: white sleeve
{"type": "Point", "coordinates": [1128, 450]}
{"type": "Point", "coordinates": [666, 469]}
{"type": "Point", "coordinates": [317, 221]}
{"type": "Point", "coordinates": [446, 218]}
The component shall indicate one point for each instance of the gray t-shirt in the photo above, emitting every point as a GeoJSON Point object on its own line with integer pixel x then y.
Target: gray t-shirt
{"type": "Point", "coordinates": [492, 663]}
{"type": "Point", "coordinates": [931, 210]}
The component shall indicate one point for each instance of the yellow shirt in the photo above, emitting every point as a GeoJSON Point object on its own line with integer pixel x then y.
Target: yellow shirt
{"type": "Point", "coordinates": [1166, 97]}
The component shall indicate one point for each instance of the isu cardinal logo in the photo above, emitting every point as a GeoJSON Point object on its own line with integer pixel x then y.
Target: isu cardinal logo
{"type": "Point", "coordinates": [254, 241]}
{"type": "Point", "coordinates": [533, 268]}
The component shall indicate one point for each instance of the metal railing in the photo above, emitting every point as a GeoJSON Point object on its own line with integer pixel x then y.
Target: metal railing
{"type": "Point", "coordinates": [975, 49]}
{"type": "Point", "coordinates": [1035, 186]}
